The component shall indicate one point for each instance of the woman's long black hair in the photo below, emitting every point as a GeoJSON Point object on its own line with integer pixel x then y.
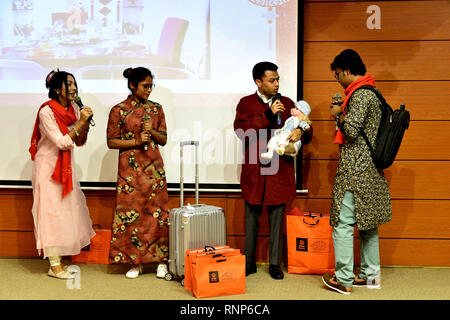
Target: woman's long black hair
{"type": "Point", "coordinates": [54, 82]}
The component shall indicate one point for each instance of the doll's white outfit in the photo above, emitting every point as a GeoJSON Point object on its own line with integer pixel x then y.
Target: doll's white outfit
{"type": "Point", "coordinates": [279, 140]}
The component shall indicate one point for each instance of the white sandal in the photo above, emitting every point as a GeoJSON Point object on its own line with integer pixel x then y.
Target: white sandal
{"type": "Point", "coordinates": [64, 275]}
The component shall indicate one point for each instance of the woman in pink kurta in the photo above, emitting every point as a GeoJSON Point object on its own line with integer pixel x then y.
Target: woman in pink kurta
{"type": "Point", "coordinates": [137, 127]}
{"type": "Point", "coordinates": [61, 217]}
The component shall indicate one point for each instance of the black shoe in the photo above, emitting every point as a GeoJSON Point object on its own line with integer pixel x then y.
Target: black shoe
{"type": "Point", "coordinates": [275, 272]}
{"type": "Point", "coordinates": [250, 268]}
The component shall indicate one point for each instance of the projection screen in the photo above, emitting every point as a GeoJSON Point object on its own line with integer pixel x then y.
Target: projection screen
{"type": "Point", "coordinates": [200, 51]}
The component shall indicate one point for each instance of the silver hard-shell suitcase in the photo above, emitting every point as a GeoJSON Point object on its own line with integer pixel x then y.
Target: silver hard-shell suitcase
{"type": "Point", "coordinates": [192, 226]}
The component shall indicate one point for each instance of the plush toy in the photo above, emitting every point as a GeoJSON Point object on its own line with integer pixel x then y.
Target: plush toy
{"type": "Point", "coordinates": [298, 119]}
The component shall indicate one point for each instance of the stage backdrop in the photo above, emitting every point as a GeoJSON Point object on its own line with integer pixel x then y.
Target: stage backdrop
{"type": "Point", "coordinates": [201, 53]}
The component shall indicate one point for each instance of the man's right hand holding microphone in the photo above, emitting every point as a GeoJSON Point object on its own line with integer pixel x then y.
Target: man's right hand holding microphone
{"type": "Point", "coordinates": [336, 108]}
{"type": "Point", "coordinates": [277, 106]}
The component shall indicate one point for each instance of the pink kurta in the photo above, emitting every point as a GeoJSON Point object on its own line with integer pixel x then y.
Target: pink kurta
{"type": "Point", "coordinates": [62, 225]}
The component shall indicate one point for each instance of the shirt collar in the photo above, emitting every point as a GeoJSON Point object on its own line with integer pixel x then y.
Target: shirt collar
{"type": "Point", "coordinates": [264, 98]}
{"type": "Point", "coordinates": [135, 103]}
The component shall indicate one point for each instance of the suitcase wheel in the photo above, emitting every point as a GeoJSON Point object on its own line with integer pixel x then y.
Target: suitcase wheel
{"type": "Point", "coordinates": [182, 282]}
{"type": "Point", "coordinates": [168, 276]}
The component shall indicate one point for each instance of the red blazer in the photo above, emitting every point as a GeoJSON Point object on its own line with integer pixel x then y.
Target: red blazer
{"type": "Point", "coordinates": [264, 182]}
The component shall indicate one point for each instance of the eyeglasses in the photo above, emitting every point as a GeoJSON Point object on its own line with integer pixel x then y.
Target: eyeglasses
{"type": "Point", "coordinates": [148, 86]}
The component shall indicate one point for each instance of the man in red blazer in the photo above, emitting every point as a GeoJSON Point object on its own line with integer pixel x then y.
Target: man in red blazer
{"type": "Point", "coordinates": [269, 183]}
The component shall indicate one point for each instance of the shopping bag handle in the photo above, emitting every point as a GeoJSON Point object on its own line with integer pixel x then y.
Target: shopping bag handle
{"type": "Point", "coordinates": [311, 224]}
{"type": "Point", "coordinates": [314, 216]}
{"type": "Point", "coordinates": [309, 214]}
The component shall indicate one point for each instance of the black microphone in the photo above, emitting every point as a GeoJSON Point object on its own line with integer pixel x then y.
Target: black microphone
{"type": "Point", "coordinates": [80, 104]}
{"type": "Point", "coordinates": [145, 118]}
{"type": "Point", "coordinates": [276, 97]}
{"type": "Point", "coordinates": [337, 101]}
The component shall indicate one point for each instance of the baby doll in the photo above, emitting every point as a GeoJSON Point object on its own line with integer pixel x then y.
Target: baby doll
{"type": "Point", "coordinates": [298, 119]}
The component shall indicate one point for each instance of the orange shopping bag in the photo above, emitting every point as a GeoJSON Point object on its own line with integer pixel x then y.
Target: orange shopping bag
{"type": "Point", "coordinates": [189, 255]}
{"type": "Point", "coordinates": [217, 254]}
{"type": "Point", "coordinates": [98, 250]}
{"type": "Point", "coordinates": [219, 276]}
{"type": "Point", "coordinates": [309, 244]}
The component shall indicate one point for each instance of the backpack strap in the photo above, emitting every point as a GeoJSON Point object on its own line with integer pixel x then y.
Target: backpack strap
{"type": "Point", "coordinates": [367, 141]}
{"type": "Point", "coordinates": [383, 102]}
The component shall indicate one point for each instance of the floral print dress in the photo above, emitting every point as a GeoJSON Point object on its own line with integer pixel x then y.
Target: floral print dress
{"type": "Point", "coordinates": [140, 225]}
{"type": "Point", "coordinates": [356, 171]}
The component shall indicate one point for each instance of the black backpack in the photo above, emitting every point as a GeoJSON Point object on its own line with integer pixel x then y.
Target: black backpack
{"type": "Point", "coordinates": [393, 124]}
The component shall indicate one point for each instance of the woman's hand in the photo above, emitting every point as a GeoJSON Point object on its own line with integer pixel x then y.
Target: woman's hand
{"type": "Point", "coordinates": [146, 125]}
{"type": "Point", "coordinates": [86, 113]}
{"type": "Point", "coordinates": [142, 138]}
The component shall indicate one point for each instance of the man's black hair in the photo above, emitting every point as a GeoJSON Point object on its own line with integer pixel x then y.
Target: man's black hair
{"type": "Point", "coordinates": [349, 60]}
{"type": "Point", "coordinates": [261, 67]}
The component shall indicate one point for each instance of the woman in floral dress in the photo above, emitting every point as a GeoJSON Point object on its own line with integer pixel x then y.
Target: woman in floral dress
{"type": "Point", "coordinates": [137, 127]}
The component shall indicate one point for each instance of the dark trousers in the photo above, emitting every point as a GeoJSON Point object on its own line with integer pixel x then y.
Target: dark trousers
{"type": "Point", "coordinates": [252, 216]}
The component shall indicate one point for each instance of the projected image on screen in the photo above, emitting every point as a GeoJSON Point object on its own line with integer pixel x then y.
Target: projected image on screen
{"type": "Point", "coordinates": [95, 39]}
{"type": "Point", "coordinates": [201, 53]}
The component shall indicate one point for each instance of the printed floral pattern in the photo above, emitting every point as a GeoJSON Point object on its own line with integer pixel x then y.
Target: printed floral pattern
{"type": "Point", "coordinates": [140, 225]}
{"type": "Point", "coordinates": [356, 171]}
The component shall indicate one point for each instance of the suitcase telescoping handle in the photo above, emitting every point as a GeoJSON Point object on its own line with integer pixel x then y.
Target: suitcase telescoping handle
{"type": "Point", "coordinates": [182, 144]}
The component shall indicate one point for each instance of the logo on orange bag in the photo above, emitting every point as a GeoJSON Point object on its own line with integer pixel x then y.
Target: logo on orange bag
{"type": "Point", "coordinates": [302, 244]}
{"type": "Point", "coordinates": [213, 276]}
{"type": "Point", "coordinates": [227, 276]}
{"type": "Point", "coordinates": [320, 245]}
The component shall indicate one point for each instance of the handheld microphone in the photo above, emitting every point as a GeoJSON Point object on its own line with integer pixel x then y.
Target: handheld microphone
{"type": "Point", "coordinates": [80, 104]}
{"type": "Point", "coordinates": [337, 101]}
{"type": "Point", "coordinates": [276, 97]}
{"type": "Point", "coordinates": [145, 118]}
